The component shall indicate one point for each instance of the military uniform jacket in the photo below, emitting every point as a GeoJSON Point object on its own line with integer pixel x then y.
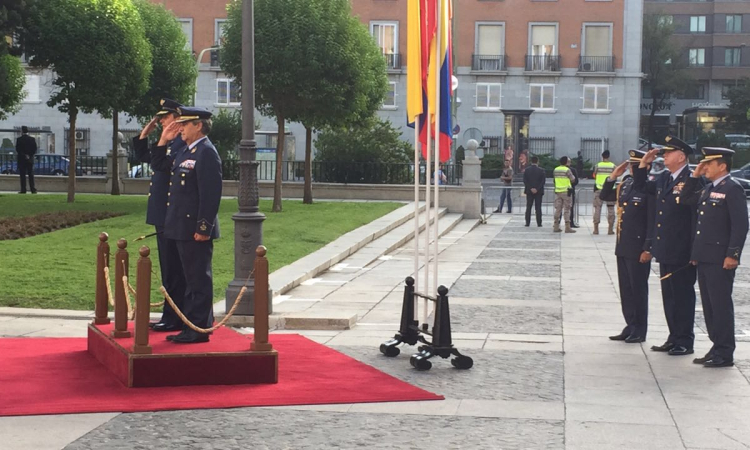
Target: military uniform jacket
{"type": "Point", "coordinates": [674, 219]}
{"type": "Point", "coordinates": [156, 211]}
{"type": "Point", "coordinates": [635, 224]}
{"type": "Point", "coordinates": [722, 224]}
{"type": "Point", "coordinates": [194, 191]}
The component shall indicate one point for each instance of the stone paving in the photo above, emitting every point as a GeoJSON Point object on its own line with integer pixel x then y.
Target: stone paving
{"type": "Point", "coordinates": [531, 307]}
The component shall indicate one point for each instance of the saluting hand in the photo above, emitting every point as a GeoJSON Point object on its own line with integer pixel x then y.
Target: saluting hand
{"type": "Point", "coordinates": [619, 170]}
{"type": "Point", "coordinates": [700, 170]}
{"type": "Point", "coordinates": [169, 133]}
{"type": "Point", "coordinates": [149, 128]}
{"type": "Point", "coordinates": [730, 263]}
{"type": "Point", "coordinates": [649, 157]}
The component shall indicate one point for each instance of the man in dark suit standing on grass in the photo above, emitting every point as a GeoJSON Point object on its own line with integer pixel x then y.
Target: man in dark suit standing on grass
{"type": "Point", "coordinates": [533, 186]}
{"type": "Point", "coordinates": [26, 149]}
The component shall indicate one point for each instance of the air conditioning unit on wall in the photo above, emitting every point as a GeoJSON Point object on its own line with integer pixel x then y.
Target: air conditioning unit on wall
{"type": "Point", "coordinates": [79, 135]}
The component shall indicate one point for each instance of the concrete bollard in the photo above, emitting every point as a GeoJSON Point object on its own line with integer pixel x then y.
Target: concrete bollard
{"type": "Point", "coordinates": [101, 308]}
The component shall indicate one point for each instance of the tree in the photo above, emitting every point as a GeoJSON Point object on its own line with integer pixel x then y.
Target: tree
{"type": "Point", "coordinates": [715, 139]}
{"type": "Point", "coordinates": [103, 76]}
{"type": "Point", "coordinates": [739, 106]}
{"type": "Point", "coordinates": [226, 133]}
{"type": "Point", "coordinates": [663, 64]}
{"type": "Point", "coordinates": [13, 14]}
{"type": "Point", "coordinates": [313, 63]}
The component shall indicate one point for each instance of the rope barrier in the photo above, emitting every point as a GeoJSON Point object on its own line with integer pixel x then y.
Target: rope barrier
{"type": "Point", "coordinates": [110, 297]}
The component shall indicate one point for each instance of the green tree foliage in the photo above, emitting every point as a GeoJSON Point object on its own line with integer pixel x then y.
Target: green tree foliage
{"type": "Point", "coordinates": [226, 133]}
{"type": "Point", "coordinates": [716, 139]}
{"type": "Point", "coordinates": [13, 14]}
{"type": "Point", "coordinates": [739, 106]}
{"type": "Point", "coordinates": [371, 152]}
{"type": "Point", "coordinates": [99, 56]}
{"type": "Point", "coordinates": [314, 63]}
{"type": "Point", "coordinates": [663, 64]}
{"type": "Point", "coordinates": [174, 71]}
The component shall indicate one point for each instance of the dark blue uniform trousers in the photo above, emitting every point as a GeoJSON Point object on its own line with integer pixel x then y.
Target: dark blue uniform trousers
{"type": "Point", "coordinates": [171, 276]}
{"type": "Point", "coordinates": [678, 294]}
{"type": "Point", "coordinates": [633, 281]}
{"type": "Point", "coordinates": [716, 284]}
{"type": "Point", "coordinates": [196, 268]}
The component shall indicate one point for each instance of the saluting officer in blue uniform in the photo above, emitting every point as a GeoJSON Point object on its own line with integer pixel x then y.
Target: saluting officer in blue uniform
{"type": "Point", "coordinates": [672, 242]}
{"type": "Point", "coordinates": [192, 206]}
{"type": "Point", "coordinates": [635, 230]}
{"type": "Point", "coordinates": [157, 211]}
{"type": "Point", "coordinates": [720, 234]}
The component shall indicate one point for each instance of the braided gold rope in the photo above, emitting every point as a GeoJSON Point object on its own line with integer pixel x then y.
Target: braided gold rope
{"type": "Point", "coordinates": [110, 297]}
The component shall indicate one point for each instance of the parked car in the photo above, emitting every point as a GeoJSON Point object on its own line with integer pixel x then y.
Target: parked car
{"type": "Point", "coordinates": [744, 183]}
{"type": "Point", "coordinates": [44, 164]}
{"type": "Point", "coordinates": [742, 172]}
{"type": "Point", "coordinates": [643, 144]}
{"type": "Point", "coordinates": [739, 141]}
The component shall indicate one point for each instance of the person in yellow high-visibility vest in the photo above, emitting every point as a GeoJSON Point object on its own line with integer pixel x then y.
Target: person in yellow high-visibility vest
{"type": "Point", "coordinates": [602, 170]}
{"type": "Point", "coordinates": [564, 179]}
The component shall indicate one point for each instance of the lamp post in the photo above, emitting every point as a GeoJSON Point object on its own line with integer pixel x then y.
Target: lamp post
{"type": "Point", "coordinates": [248, 221]}
{"type": "Point", "coordinates": [198, 66]}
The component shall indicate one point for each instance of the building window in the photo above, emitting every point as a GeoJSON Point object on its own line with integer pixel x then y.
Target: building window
{"type": "Point", "coordinates": [187, 29]}
{"type": "Point", "coordinates": [666, 20]}
{"type": "Point", "coordinates": [543, 40]}
{"type": "Point", "coordinates": [698, 24]}
{"type": "Point", "coordinates": [390, 96]}
{"type": "Point", "coordinates": [490, 46]}
{"type": "Point", "coordinates": [488, 96]}
{"type": "Point", "coordinates": [31, 92]}
{"type": "Point", "coordinates": [697, 57]}
{"type": "Point", "coordinates": [645, 90]}
{"type": "Point", "coordinates": [595, 97]}
{"type": "Point", "coordinates": [542, 96]}
{"type": "Point", "coordinates": [725, 88]}
{"type": "Point", "coordinates": [734, 23]}
{"type": "Point", "coordinates": [219, 31]}
{"type": "Point", "coordinates": [227, 92]}
{"type": "Point", "coordinates": [694, 91]}
{"type": "Point", "coordinates": [386, 36]}
{"type": "Point", "coordinates": [732, 57]}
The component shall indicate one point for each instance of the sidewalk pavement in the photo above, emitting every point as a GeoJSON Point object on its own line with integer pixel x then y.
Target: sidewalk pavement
{"type": "Point", "coordinates": [532, 307]}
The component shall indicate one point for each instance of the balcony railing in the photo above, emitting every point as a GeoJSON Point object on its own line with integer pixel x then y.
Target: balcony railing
{"type": "Point", "coordinates": [488, 63]}
{"type": "Point", "coordinates": [543, 63]}
{"type": "Point", "coordinates": [596, 64]}
{"type": "Point", "coordinates": [392, 61]}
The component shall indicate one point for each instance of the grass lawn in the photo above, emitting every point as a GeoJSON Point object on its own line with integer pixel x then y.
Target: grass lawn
{"type": "Point", "coordinates": [56, 270]}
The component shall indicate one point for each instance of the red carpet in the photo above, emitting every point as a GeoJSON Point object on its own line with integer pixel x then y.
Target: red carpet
{"type": "Point", "coordinates": [58, 376]}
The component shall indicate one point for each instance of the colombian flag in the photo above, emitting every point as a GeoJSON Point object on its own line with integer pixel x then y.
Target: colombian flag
{"type": "Point", "coordinates": [423, 70]}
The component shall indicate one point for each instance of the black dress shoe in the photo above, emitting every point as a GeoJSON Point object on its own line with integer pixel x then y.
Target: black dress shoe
{"type": "Point", "coordinates": [190, 337]}
{"type": "Point", "coordinates": [679, 350]}
{"type": "Point", "coordinates": [526, 225]}
{"type": "Point", "coordinates": [704, 359]}
{"type": "Point", "coordinates": [665, 347]}
{"type": "Point", "coordinates": [634, 339]}
{"type": "Point", "coordinates": [172, 336]}
{"type": "Point", "coordinates": [718, 361]}
{"type": "Point", "coordinates": [539, 224]}
{"type": "Point", "coordinates": [22, 192]}
{"type": "Point", "coordinates": [497, 211]}
{"type": "Point", "coordinates": [33, 191]}
{"type": "Point", "coordinates": [619, 337]}
{"type": "Point", "coordinates": [163, 326]}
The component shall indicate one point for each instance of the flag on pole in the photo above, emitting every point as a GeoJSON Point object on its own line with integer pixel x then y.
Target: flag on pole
{"type": "Point", "coordinates": [414, 78]}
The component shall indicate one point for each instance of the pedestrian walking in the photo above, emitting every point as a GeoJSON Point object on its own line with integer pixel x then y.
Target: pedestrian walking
{"type": "Point", "coordinates": [635, 229]}
{"type": "Point", "coordinates": [533, 186]}
{"type": "Point", "coordinates": [720, 234]}
{"type": "Point", "coordinates": [672, 243]}
{"type": "Point", "coordinates": [506, 181]}
{"type": "Point", "coordinates": [602, 170]}
{"type": "Point", "coordinates": [26, 149]}
{"type": "Point", "coordinates": [564, 179]}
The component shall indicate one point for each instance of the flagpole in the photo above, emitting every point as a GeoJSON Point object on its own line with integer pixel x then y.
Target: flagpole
{"type": "Point", "coordinates": [438, 72]}
{"type": "Point", "coordinates": [416, 209]}
{"type": "Point", "coordinates": [427, 195]}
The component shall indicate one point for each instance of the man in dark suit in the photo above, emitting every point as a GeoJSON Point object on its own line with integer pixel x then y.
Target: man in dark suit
{"type": "Point", "coordinates": [533, 186]}
{"type": "Point", "coordinates": [635, 229]}
{"type": "Point", "coordinates": [192, 208]}
{"type": "Point", "coordinates": [672, 242]}
{"type": "Point", "coordinates": [720, 234]}
{"type": "Point", "coordinates": [156, 212]}
{"type": "Point", "coordinates": [26, 149]}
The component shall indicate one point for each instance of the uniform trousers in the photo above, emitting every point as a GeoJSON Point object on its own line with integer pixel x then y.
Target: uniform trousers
{"type": "Point", "coordinates": [172, 277]}
{"type": "Point", "coordinates": [678, 295]}
{"type": "Point", "coordinates": [633, 280]}
{"type": "Point", "coordinates": [563, 201]}
{"type": "Point", "coordinates": [195, 258]}
{"type": "Point", "coordinates": [598, 202]}
{"type": "Point", "coordinates": [716, 284]}
{"type": "Point", "coordinates": [536, 200]}
{"type": "Point", "coordinates": [26, 167]}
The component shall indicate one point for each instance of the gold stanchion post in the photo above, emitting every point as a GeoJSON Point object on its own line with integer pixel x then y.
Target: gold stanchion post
{"type": "Point", "coordinates": [121, 306]}
{"type": "Point", "coordinates": [142, 303]}
{"type": "Point", "coordinates": [101, 309]}
{"type": "Point", "coordinates": [260, 321]}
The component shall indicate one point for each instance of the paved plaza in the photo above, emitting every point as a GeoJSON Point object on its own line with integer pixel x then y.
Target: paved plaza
{"type": "Point", "coordinates": [531, 307]}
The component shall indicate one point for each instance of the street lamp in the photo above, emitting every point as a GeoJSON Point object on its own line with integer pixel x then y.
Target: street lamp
{"type": "Point", "coordinates": [198, 67]}
{"type": "Point", "coordinates": [248, 221]}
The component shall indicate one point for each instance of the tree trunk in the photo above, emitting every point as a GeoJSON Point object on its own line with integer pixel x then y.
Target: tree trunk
{"type": "Point", "coordinates": [307, 196]}
{"type": "Point", "coordinates": [72, 164]}
{"type": "Point", "coordinates": [115, 154]}
{"type": "Point", "coordinates": [279, 163]}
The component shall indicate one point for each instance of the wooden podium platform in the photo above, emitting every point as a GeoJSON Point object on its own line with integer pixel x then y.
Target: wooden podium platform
{"type": "Point", "coordinates": [225, 359]}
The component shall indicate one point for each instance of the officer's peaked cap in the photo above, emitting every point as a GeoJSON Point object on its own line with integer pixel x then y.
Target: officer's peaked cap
{"type": "Point", "coordinates": [168, 106]}
{"type": "Point", "coordinates": [673, 143]}
{"type": "Point", "coordinates": [188, 113]}
{"type": "Point", "coordinates": [711, 153]}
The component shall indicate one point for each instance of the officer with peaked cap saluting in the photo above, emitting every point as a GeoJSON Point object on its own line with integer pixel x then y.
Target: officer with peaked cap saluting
{"type": "Point", "coordinates": [635, 229]}
{"type": "Point", "coordinates": [156, 213]}
{"type": "Point", "coordinates": [720, 234]}
{"type": "Point", "coordinates": [192, 207]}
{"type": "Point", "coordinates": [672, 242]}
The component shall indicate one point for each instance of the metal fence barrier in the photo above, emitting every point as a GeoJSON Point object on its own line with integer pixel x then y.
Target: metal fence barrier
{"type": "Point", "coordinates": [583, 207]}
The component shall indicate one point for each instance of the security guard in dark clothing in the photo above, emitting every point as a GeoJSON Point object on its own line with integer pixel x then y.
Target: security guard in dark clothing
{"type": "Point", "coordinates": [192, 207]}
{"type": "Point", "coordinates": [672, 242]}
{"type": "Point", "coordinates": [720, 234]}
{"type": "Point", "coordinates": [157, 211]}
{"type": "Point", "coordinates": [635, 229]}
